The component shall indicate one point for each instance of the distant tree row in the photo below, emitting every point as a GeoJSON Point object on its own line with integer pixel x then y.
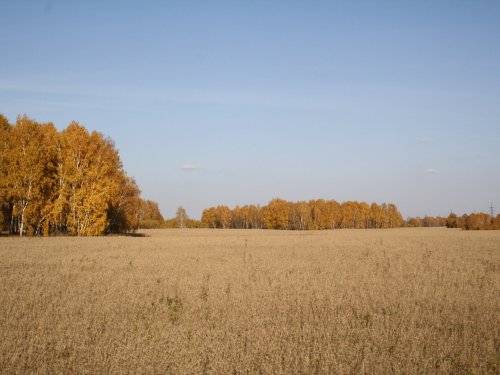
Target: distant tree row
{"type": "Point", "coordinates": [321, 214]}
{"type": "Point", "coordinates": [305, 215]}
{"type": "Point", "coordinates": [149, 215]}
{"type": "Point", "coordinates": [69, 182]}
{"type": "Point", "coordinates": [427, 221]}
{"type": "Point", "coordinates": [181, 220]}
{"type": "Point", "coordinates": [477, 221]}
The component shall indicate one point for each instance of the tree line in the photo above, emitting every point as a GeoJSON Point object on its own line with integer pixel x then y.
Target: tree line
{"type": "Point", "coordinates": [315, 214]}
{"type": "Point", "coordinates": [426, 221]}
{"type": "Point", "coordinates": [73, 182]}
{"type": "Point", "coordinates": [65, 182]}
{"type": "Point", "coordinates": [475, 221]}
{"type": "Point", "coordinates": [323, 214]}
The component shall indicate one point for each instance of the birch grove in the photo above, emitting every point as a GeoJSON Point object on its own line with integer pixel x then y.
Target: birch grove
{"type": "Point", "coordinates": [70, 182]}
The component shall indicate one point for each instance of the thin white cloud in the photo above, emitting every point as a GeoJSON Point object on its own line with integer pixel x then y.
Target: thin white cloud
{"type": "Point", "coordinates": [425, 140]}
{"type": "Point", "coordinates": [189, 168]}
{"type": "Point", "coordinates": [430, 171]}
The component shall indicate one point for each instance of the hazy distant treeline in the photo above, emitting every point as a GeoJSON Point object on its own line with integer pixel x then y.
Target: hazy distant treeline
{"type": "Point", "coordinates": [69, 182]}
{"type": "Point", "coordinates": [476, 221]}
{"type": "Point", "coordinates": [427, 221]}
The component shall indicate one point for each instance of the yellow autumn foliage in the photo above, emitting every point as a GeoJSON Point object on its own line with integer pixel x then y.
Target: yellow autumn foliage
{"type": "Point", "coordinates": [69, 182]}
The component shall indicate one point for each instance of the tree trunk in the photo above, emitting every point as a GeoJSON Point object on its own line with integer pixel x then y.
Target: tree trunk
{"type": "Point", "coordinates": [21, 227]}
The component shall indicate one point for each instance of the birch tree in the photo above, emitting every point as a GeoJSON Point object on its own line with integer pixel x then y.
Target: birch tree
{"type": "Point", "coordinates": [91, 175]}
{"type": "Point", "coordinates": [29, 160]}
{"type": "Point", "coordinates": [181, 217]}
{"type": "Point", "coordinates": [124, 211]}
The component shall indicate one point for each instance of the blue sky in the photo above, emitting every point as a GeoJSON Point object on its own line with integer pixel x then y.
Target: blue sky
{"type": "Point", "coordinates": [235, 102]}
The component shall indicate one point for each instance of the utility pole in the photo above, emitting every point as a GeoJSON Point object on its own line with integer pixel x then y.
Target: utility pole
{"type": "Point", "coordinates": [492, 210]}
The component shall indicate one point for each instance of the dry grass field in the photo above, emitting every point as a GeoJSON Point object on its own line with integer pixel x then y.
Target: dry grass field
{"type": "Point", "coordinates": [406, 301]}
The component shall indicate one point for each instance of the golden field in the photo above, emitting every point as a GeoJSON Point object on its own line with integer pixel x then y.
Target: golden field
{"type": "Point", "coordinates": [403, 301]}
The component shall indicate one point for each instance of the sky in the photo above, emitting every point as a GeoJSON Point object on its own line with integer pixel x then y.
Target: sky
{"type": "Point", "coordinates": [239, 102]}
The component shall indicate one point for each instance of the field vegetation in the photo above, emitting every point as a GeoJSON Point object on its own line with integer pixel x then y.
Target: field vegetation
{"type": "Point", "coordinates": [401, 301]}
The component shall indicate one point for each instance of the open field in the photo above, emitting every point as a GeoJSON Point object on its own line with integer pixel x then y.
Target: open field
{"type": "Point", "coordinates": [399, 301]}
